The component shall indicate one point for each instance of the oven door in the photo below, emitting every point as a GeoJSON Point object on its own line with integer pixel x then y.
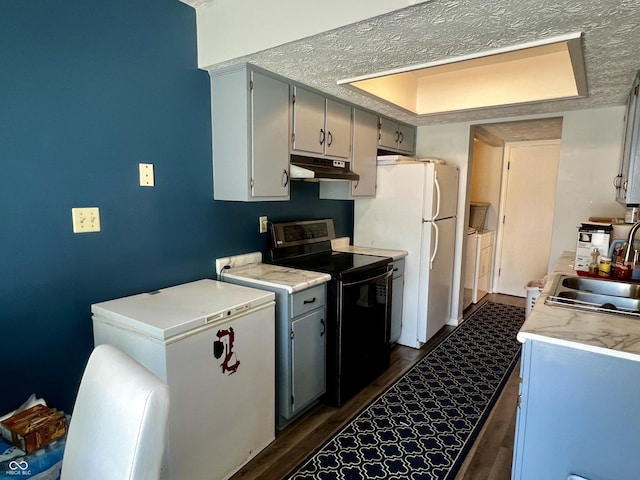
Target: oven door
{"type": "Point", "coordinates": [363, 329]}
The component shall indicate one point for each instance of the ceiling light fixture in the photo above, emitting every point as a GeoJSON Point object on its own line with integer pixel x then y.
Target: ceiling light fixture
{"type": "Point", "coordinates": [544, 70]}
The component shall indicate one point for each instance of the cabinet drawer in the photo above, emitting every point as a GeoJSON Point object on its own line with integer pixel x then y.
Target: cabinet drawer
{"type": "Point", "coordinates": [307, 300]}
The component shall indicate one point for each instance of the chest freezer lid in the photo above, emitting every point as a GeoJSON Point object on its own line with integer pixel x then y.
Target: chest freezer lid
{"type": "Point", "coordinates": [175, 310]}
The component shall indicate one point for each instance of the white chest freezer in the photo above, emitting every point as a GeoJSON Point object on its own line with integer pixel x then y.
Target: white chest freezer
{"type": "Point", "coordinates": [213, 343]}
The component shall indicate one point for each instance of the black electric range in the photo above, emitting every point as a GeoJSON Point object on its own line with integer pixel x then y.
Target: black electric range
{"type": "Point", "coordinates": [358, 303]}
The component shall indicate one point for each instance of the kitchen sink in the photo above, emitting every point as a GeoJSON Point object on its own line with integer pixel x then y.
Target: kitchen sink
{"type": "Point", "coordinates": [584, 293]}
{"type": "Point", "coordinates": [603, 287]}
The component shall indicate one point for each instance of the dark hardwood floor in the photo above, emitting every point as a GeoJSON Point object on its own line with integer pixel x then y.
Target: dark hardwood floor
{"type": "Point", "coordinates": [489, 458]}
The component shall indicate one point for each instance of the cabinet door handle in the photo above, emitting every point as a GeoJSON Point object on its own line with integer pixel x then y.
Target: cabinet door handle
{"type": "Point", "coordinates": [397, 139]}
{"type": "Point", "coordinates": [285, 178]}
{"type": "Point", "coordinates": [324, 327]}
{"type": "Point", "coordinates": [306, 302]}
{"type": "Point", "coordinates": [400, 137]}
{"type": "Point", "coordinates": [617, 182]}
{"type": "Point", "coordinates": [329, 139]}
{"type": "Point", "coordinates": [322, 136]}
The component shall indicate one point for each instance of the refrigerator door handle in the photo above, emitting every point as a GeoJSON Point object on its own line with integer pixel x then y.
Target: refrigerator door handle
{"type": "Point", "coordinates": [437, 185]}
{"type": "Point", "coordinates": [435, 247]}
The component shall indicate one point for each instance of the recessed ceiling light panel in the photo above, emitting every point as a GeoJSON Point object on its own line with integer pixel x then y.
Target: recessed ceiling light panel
{"type": "Point", "coordinates": [538, 71]}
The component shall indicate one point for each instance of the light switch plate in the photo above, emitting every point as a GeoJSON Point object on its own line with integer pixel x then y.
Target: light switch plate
{"type": "Point", "coordinates": [263, 224]}
{"type": "Point", "coordinates": [85, 220]}
{"type": "Point", "coordinates": [146, 175]}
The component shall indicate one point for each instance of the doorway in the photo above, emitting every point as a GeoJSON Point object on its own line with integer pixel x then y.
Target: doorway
{"type": "Point", "coordinates": [528, 197]}
{"type": "Point", "coordinates": [521, 195]}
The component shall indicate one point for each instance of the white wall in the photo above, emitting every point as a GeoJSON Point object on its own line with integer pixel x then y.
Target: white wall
{"type": "Point", "coordinates": [589, 158]}
{"type": "Point", "coordinates": [229, 29]}
{"type": "Point", "coordinates": [486, 176]}
{"type": "Point", "coordinates": [589, 161]}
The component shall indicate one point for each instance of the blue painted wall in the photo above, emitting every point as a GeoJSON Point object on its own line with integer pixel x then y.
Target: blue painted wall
{"type": "Point", "coordinates": [89, 89]}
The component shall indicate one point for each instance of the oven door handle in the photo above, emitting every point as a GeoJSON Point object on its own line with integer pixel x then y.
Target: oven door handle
{"type": "Point", "coordinates": [369, 280]}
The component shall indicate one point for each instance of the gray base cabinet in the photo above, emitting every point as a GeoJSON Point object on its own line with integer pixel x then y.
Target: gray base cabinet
{"type": "Point", "coordinates": [578, 415]}
{"type": "Point", "coordinates": [250, 134]}
{"type": "Point", "coordinates": [397, 300]}
{"type": "Point", "coordinates": [300, 348]}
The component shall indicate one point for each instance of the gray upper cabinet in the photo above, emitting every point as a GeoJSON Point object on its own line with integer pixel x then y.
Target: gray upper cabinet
{"type": "Point", "coordinates": [363, 161]}
{"type": "Point", "coordinates": [250, 122]}
{"type": "Point", "coordinates": [627, 183]}
{"type": "Point", "coordinates": [397, 137]}
{"type": "Point", "coordinates": [321, 126]}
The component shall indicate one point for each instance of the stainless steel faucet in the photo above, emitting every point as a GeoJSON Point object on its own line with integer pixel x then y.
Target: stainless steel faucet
{"type": "Point", "coordinates": [628, 257]}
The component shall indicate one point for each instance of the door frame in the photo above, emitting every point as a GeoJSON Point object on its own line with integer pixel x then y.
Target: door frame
{"type": "Point", "coordinates": [497, 253]}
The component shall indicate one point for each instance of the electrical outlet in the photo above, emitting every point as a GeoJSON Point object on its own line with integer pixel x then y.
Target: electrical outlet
{"type": "Point", "coordinates": [85, 219]}
{"type": "Point", "coordinates": [263, 224]}
{"type": "Point", "coordinates": [146, 175]}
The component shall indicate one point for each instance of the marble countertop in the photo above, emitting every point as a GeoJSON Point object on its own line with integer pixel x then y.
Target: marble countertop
{"type": "Point", "coordinates": [342, 245]}
{"type": "Point", "coordinates": [290, 279]}
{"type": "Point", "coordinates": [609, 334]}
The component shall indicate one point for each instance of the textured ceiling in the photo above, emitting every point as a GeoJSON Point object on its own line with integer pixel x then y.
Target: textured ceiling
{"type": "Point", "coordinates": [442, 29]}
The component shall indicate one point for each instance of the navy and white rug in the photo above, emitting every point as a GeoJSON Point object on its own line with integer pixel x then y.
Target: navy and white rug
{"type": "Point", "coordinates": [423, 426]}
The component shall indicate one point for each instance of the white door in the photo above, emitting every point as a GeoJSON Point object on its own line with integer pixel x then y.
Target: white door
{"type": "Point", "coordinates": [528, 200]}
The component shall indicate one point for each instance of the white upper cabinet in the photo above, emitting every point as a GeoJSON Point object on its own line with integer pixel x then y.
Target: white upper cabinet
{"type": "Point", "coordinates": [250, 122]}
{"type": "Point", "coordinates": [321, 126]}
{"type": "Point", "coordinates": [363, 161]}
{"type": "Point", "coordinates": [397, 137]}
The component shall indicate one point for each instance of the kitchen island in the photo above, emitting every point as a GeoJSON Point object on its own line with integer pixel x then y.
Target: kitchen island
{"type": "Point", "coordinates": [578, 412]}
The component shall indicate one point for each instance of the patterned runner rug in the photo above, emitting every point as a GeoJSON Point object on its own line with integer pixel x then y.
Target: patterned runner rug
{"type": "Point", "coordinates": [423, 426]}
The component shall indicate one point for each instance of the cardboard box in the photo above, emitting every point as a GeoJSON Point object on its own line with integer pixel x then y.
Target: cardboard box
{"type": "Point", "coordinates": [591, 236]}
{"type": "Point", "coordinates": [35, 427]}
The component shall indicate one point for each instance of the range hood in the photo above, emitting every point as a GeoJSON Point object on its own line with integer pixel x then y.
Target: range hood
{"type": "Point", "coordinates": [320, 169]}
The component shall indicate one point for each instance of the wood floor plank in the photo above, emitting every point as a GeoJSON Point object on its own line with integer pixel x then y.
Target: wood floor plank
{"type": "Point", "coordinates": [489, 458]}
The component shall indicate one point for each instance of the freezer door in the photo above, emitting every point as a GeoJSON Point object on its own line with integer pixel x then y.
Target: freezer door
{"type": "Point", "coordinates": [222, 384]}
{"type": "Point", "coordinates": [436, 276]}
{"type": "Point", "coordinates": [441, 191]}
{"type": "Point", "coordinates": [222, 390]}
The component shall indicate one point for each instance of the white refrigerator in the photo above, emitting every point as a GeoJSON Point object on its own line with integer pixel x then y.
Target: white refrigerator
{"type": "Point", "coordinates": [415, 210]}
{"type": "Point", "coordinates": [213, 343]}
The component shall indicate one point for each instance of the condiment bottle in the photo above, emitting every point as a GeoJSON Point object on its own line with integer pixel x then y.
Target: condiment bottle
{"type": "Point", "coordinates": [604, 270]}
{"type": "Point", "coordinates": [593, 266]}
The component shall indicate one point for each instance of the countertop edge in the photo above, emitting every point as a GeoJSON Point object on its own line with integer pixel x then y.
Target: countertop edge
{"type": "Point", "coordinates": [316, 278]}
{"type": "Point", "coordinates": [596, 332]}
{"type": "Point", "coordinates": [373, 251]}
